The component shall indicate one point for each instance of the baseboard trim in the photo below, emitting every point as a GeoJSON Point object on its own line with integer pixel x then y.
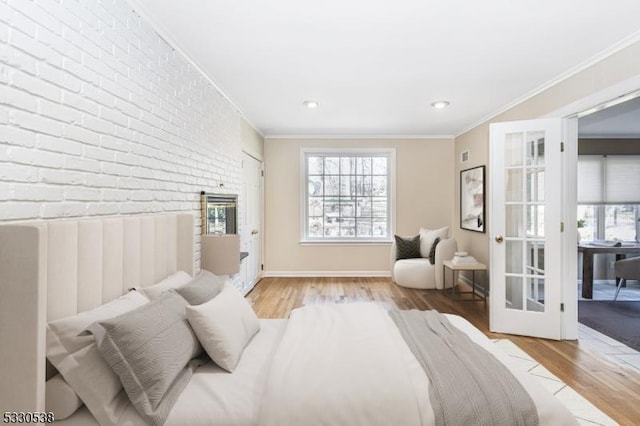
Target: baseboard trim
{"type": "Point", "coordinates": [338, 274]}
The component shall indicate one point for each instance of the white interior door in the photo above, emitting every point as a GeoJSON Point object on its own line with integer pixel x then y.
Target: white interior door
{"type": "Point", "coordinates": [525, 227]}
{"type": "Point", "coordinates": [252, 226]}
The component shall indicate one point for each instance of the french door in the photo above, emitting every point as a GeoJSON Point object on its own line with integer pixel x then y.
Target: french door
{"type": "Point", "coordinates": [525, 227]}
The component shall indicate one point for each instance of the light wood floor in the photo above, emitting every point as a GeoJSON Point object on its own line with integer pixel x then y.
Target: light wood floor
{"type": "Point", "coordinates": [612, 388]}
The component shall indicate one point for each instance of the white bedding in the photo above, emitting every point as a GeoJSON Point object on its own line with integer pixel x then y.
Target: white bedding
{"type": "Point", "coordinates": [331, 364]}
{"type": "Point", "coordinates": [344, 365]}
{"type": "Point", "coordinates": [348, 365]}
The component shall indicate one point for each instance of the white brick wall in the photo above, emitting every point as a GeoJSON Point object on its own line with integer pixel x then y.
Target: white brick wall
{"type": "Point", "coordinates": [100, 116]}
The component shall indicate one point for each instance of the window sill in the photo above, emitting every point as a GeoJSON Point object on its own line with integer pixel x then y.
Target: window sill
{"type": "Point", "coordinates": [324, 242]}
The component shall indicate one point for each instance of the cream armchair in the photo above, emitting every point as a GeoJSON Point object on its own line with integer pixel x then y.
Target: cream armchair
{"type": "Point", "coordinates": [419, 272]}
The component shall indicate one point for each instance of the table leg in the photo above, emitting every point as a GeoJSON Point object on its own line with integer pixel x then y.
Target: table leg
{"type": "Point", "coordinates": [620, 257]}
{"type": "Point", "coordinates": [453, 282]}
{"type": "Point", "coordinates": [587, 275]}
{"type": "Point", "coordinates": [444, 279]}
{"type": "Point", "coordinates": [473, 284]}
{"type": "Point", "coordinates": [484, 290]}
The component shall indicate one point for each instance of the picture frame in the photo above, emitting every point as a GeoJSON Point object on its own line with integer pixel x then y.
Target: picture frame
{"type": "Point", "coordinates": [472, 199]}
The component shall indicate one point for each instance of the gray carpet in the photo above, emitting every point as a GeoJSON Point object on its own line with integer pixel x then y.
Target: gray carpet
{"type": "Point", "coordinates": [618, 320]}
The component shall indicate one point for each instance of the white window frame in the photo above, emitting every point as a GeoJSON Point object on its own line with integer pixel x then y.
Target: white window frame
{"type": "Point", "coordinates": [390, 153]}
{"type": "Point", "coordinates": [600, 214]}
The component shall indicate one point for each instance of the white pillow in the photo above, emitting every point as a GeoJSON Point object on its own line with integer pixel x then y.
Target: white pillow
{"type": "Point", "coordinates": [428, 236]}
{"type": "Point", "coordinates": [224, 325]}
{"type": "Point", "coordinates": [79, 362]}
{"type": "Point", "coordinates": [176, 280]}
{"type": "Point", "coordinates": [60, 399]}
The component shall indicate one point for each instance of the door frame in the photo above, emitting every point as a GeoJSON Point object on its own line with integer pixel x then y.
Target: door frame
{"type": "Point", "coordinates": [600, 99]}
{"type": "Point", "coordinates": [262, 213]}
{"type": "Point", "coordinates": [569, 213]}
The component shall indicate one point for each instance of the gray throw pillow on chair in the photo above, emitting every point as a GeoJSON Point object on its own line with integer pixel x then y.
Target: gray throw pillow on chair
{"type": "Point", "coordinates": [407, 248]}
{"type": "Point", "coordinates": [432, 252]}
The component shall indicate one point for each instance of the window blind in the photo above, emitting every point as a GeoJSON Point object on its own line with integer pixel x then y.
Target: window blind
{"type": "Point", "coordinates": [613, 179]}
{"type": "Point", "coordinates": [590, 179]}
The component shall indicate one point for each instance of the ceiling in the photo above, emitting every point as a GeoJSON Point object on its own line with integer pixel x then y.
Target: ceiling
{"type": "Point", "coordinates": [618, 121]}
{"type": "Point", "coordinates": [375, 66]}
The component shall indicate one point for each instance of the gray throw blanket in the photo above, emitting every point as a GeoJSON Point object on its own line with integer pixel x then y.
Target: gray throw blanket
{"type": "Point", "coordinates": [468, 385]}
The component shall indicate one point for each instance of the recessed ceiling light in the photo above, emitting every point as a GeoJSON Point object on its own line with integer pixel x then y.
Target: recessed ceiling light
{"type": "Point", "coordinates": [311, 104]}
{"type": "Point", "coordinates": [440, 104]}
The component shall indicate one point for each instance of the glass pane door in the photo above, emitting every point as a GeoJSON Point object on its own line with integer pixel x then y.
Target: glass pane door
{"type": "Point", "coordinates": [524, 217]}
{"type": "Point", "coordinates": [525, 226]}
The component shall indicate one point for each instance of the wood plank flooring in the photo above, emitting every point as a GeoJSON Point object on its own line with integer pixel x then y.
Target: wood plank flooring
{"type": "Point", "coordinates": [612, 388]}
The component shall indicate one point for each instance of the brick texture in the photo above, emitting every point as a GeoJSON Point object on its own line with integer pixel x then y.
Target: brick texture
{"type": "Point", "coordinates": [100, 116]}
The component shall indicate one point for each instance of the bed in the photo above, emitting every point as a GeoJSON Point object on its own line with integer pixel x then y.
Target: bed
{"type": "Point", "coordinates": [334, 364]}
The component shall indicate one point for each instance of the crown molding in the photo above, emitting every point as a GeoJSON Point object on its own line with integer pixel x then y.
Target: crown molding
{"type": "Point", "coordinates": [611, 50]}
{"type": "Point", "coordinates": [137, 8]}
{"type": "Point", "coordinates": [359, 136]}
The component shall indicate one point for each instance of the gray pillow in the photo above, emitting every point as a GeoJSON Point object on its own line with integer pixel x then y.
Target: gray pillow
{"type": "Point", "coordinates": [407, 248]}
{"type": "Point", "coordinates": [152, 350]}
{"type": "Point", "coordinates": [432, 252]}
{"type": "Point", "coordinates": [202, 288]}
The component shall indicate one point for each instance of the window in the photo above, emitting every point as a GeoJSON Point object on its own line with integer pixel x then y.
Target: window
{"type": "Point", "coordinates": [609, 197]}
{"type": "Point", "coordinates": [588, 222]}
{"type": "Point", "coordinates": [620, 222]}
{"type": "Point", "coordinates": [347, 195]}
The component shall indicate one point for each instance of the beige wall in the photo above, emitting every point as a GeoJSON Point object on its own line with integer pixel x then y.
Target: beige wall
{"type": "Point", "coordinates": [424, 178]}
{"type": "Point", "coordinates": [621, 66]}
{"type": "Point", "coordinates": [252, 141]}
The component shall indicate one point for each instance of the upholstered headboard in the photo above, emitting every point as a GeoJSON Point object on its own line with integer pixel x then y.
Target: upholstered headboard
{"type": "Point", "coordinates": [50, 270]}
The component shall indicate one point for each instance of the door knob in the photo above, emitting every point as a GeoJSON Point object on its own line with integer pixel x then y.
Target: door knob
{"type": "Point", "coordinates": [499, 239]}
{"type": "Point", "coordinates": [254, 232]}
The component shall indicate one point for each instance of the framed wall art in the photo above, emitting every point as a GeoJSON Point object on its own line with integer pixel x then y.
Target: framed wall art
{"type": "Point", "coordinates": [472, 199]}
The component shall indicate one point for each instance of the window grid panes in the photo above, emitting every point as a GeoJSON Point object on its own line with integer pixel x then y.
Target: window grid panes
{"type": "Point", "coordinates": [524, 224]}
{"type": "Point", "coordinates": [609, 222]}
{"type": "Point", "coordinates": [347, 196]}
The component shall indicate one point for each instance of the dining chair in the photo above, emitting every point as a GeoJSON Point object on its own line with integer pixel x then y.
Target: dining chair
{"type": "Point", "coordinates": [626, 269]}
